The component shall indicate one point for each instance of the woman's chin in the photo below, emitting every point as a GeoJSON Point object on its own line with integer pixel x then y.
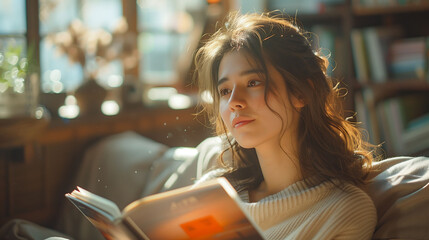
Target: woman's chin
{"type": "Point", "coordinates": [245, 144]}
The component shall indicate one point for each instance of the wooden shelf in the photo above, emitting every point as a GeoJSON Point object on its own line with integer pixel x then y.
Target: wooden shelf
{"type": "Point", "coordinates": [395, 88]}
{"type": "Point", "coordinates": [143, 120]}
{"type": "Point", "coordinates": [390, 9]}
{"type": "Point", "coordinates": [18, 131]}
{"type": "Point", "coordinates": [330, 16]}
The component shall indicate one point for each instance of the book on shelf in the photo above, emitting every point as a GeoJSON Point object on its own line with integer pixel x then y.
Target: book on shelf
{"type": "Point", "coordinates": [370, 49]}
{"type": "Point", "coordinates": [391, 125]}
{"type": "Point", "coordinates": [370, 111]}
{"type": "Point", "coordinates": [364, 119]}
{"type": "Point", "coordinates": [210, 210]}
{"type": "Point", "coordinates": [384, 3]}
{"type": "Point", "coordinates": [376, 60]}
{"type": "Point", "coordinates": [404, 122]}
{"type": "Point", "coordinates": [408, 58]}
{"type": "Point", "coordinates": [360, 59]}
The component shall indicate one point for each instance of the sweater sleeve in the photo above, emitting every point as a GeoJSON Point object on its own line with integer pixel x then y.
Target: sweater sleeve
{"type": "Point", "coordinates": [357, 216]}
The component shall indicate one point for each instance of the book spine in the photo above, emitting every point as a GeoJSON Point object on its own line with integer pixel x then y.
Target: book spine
{"type": "Point", "coordinates": [408, 58]}
{"type": "Point", "coordinates": [368, 97]}
{"type": "Point", "coordinates": [396, 125]}
{"type": "Point", "coordinates": [377, 65]}
{"type": "Point", "coordinates": [359, 56]}
{"type": "Point", "coordinates": [385, 133]}
{"type": "Point", "coordinates": [134, 229]}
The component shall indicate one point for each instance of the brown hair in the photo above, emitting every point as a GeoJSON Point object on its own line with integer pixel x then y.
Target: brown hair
{"type": "Point", "coordinates": [329, 146]}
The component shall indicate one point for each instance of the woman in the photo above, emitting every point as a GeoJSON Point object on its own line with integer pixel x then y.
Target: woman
{"type": "Point", "coordinates": [296, 163]}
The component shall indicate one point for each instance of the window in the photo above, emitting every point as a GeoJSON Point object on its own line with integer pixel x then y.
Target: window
{"type": "Point", "coordinates": [71, 34]}
{"type": "Point", "coordinates": [164, 30]}
{"type": "Point", "coordinates": [75, 40]}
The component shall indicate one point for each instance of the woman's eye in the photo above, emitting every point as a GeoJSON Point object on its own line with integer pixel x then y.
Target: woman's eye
{"type": "Point", "coordinates": [254, 83]}
{"type": "Point", "coordinates": [223, 91]}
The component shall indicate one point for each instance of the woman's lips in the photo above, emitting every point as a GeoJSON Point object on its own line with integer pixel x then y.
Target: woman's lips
{"type": "Point", "coordinates": [242, 123]}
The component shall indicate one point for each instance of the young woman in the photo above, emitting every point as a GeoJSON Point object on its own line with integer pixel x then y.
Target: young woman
{"type": "Point", "coordinates": [296, 163]}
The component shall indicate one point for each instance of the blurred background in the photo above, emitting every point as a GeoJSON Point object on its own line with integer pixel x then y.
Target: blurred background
{"type": "Point", "coordinates": [75, 71]}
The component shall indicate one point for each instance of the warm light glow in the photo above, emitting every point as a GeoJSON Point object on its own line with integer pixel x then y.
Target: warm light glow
{"type": "Point", "coordinates": [161, 93]}
{"type": "Point", "coordinates": [206, 97]}
{"type": "Point", "coordinates": [179, 101]}
{"type": "Point", "coordinates": [39, 112]}
{"type": "Point", "coordinates": [57, 87]}
{"type": "Point", "coordinates": [69, 111]}
{"type": "Point", "coordinates": [115, 80]}
{"type": "Point", "coordinates": [55, 75]}
{"type": "Point", "coordinates": [110, 108]}
{"type": "Point", "coordinates": [70, 100]}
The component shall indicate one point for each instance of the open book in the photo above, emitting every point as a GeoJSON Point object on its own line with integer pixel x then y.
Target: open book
{"type": "Point", "coordinates": [210, 210]}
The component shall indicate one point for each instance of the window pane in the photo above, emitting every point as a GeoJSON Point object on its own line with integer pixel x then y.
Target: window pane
{"type": "Point", "coordinates": [167, 14]}
{"type": "Point", "coordinates": [12, 42]}
{"type": "Point", "coordinates": [56, 15]}
{"type": "Point", "coordinates": [12, 17]}
{"type": "Point", "coordinates": [164, 27]}
{"type": "Point", "coordinates": [101, 13]}
{"type": "Point", "coordinates": [58, 73]}
{"type": "Point", "coordinates": [158, 54]}
{"type": "Point", "coordinates": [156, 15]}
{"type": "Point", "coordinates": [12, 60]}
{"type": "Point", "coordinates": [67, 53]}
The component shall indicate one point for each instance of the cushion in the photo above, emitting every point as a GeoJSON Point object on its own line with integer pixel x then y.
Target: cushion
{"type": "Point", "coordinates": [400, 191]}
{"type": "Point", "coordinates": [19, 229]}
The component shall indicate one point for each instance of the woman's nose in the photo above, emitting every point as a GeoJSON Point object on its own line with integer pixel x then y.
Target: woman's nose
{"type": "Point", "coordinates": [237, 100]}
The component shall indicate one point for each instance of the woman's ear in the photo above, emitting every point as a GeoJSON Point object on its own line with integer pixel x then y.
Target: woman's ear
{"type": "Point", "coordinates": [298, 102]}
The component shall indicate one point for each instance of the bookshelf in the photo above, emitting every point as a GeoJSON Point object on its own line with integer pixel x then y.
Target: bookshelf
{"type": "Point", "coordinates": [381, 53]}
{"type": "Point", "coordinates": [391, 75]}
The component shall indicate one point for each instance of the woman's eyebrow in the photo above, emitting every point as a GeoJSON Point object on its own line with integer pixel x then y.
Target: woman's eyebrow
{"type": "Point", "coordinates": [247, 72]}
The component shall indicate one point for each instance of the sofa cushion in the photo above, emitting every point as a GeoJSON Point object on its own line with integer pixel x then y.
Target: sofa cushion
{"type": "Point", "coordinates": [400, 191]}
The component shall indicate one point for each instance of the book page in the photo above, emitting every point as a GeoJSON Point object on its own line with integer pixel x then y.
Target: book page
{"type": "Point", "coordinates": [102, 203]}
{"type": "Point", "coordinates": [204, 212]}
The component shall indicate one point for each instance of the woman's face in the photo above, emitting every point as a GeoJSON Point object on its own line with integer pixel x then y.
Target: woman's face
{"type": "Point", "coordinates": [242, 105]}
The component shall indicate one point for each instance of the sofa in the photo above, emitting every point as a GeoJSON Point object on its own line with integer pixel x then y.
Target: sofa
{"type": "Point", "coordinates": [128, 166]}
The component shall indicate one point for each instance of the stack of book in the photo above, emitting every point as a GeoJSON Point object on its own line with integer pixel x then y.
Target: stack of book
{"type": "Point", "coordinates": [400, 124]}
{"type": "Point", "coordinates": [404, 124]}
{"type": "Point", "coordinates": [408, 58]}
{"type": "Point", "coordinates": [370, 49]}
{"type": "Point", "coordinates": [380, 54]}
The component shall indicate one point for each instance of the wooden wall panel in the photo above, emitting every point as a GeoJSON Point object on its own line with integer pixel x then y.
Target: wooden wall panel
{"type": "Point", "coordinates": [4, 204]}
{"type": "Point", "coordinates": [26, 183]}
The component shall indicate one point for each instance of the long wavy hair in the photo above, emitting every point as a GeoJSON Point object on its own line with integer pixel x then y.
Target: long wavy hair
{"type": "Point", "coordinates": [329, 146]}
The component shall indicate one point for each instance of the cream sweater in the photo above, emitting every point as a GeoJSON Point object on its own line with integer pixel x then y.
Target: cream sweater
{"type": "Point", "coordinates": [317, 211]}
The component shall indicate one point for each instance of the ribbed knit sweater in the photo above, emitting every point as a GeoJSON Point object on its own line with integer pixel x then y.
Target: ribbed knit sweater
{"type": "Point", "coordinates": [313, 211]}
